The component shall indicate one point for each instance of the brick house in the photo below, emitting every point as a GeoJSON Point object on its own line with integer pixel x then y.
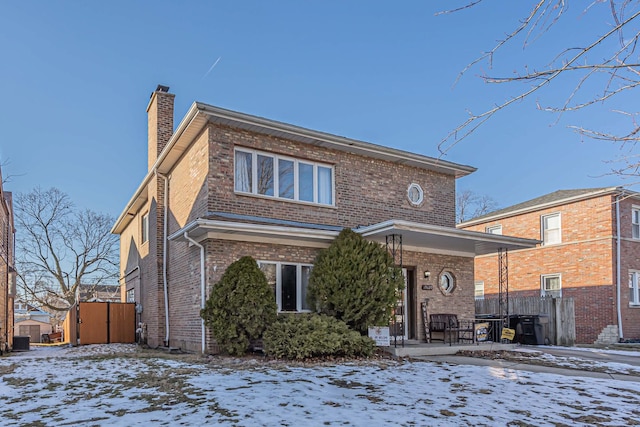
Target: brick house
{"type": "Point", "coordinates": [590, 252]}
{"type": "Point", "coordinates": [226, 184]}
{"type": "Point", "coordinates": [7, 269]}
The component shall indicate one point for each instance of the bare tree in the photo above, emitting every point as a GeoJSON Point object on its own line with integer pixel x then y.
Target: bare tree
{"type": "Point", "coordinates": [470, 205]}
{"type": "Point", "coordinates": [58, 247]}
{"type": "Point", "coordinates": [601, 70]}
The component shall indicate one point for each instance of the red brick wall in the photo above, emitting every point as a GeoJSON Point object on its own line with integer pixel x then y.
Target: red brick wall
{"type": "Point", "coordinates": [630, 260]}
{"type": "Point", "coordinates": [585, 258]}
{"type": "Point", "coordinates": [367, 190]}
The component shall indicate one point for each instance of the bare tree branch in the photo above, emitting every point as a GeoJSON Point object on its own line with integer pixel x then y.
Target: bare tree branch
{"type": "Point", "coordinates": [618, 71]}
{"type": "Point", "coordinates": [59, 248]}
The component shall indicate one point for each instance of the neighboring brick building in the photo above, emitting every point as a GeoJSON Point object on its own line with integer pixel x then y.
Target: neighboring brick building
{"type": "Point", "coordinates": [578, 257]}
{"type": "Point", "coordinates": [7, 269]}
{"type": "Point", "coordinates": [227, 184]}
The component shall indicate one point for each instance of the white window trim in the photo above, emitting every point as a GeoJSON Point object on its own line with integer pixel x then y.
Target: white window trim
{"type": "Point", "coordinates": [279, 284]}
{"type": "Point", "coordinates": [475, 288]}
{"type": "Point", "coordinates": [420, 194]}
{"type": "Point", "coordinates": [634, 286]}
{"type": "Point", "coordinates": [542, 229]}
{"type": "Point", "coordinates": [545, 276]}
{"type": "Point", "coordinates": [634, 209]}
{"type": "Point", "coordinates": [276, 177]}
{"type": "Point", "coordinates": [492, 229]}
{"type": "Point", "coordinates": [144, 230]}
{"type": "Point", "coordinates": [452, 282]}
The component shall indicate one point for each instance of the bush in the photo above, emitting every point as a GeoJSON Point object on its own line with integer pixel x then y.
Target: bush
{"type": "Point", "coordinates": [355, 281]}
{"type": "Point", "coordinates": [304, 336]}
{"type": "Point", "coordinates": [241, 306]}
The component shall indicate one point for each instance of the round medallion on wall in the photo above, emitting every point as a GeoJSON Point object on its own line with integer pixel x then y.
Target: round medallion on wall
{"type": "Point", "coordinates": [415, 194]}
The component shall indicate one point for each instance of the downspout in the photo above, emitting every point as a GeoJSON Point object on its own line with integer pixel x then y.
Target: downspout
{"type": "Point", "coordinates": [202, 283]}
{"type": "Point", "coordinates": [164, 258]}
{"type": "Point", "coordinates": [618, 284]}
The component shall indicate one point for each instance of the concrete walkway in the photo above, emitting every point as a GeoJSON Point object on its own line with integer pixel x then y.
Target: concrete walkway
{"type": "Point", "coordinates": [506, 364]}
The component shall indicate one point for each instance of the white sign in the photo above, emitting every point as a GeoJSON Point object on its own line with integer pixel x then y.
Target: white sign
{"type": "Point", "coordinates": [380, 334]}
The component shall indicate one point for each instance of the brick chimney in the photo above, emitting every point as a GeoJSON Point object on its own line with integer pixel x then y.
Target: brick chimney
{"type": "Point", "coordinates": [160, 121]}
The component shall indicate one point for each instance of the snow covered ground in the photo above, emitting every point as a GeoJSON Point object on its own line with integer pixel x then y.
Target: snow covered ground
{"type": "Point", "coordinates": [122, 385]}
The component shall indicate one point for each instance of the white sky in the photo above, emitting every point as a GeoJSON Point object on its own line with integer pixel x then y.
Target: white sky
{"type": "Point", "coordinates": [83, 386]}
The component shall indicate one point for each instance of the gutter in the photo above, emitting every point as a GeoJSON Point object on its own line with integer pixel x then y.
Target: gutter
{"type": "Point", "coordinates": [619, 310]}
{"type": "Point", "coordinates": [164, 258]}
{"type": "Point", "coordinates": [202, 285]}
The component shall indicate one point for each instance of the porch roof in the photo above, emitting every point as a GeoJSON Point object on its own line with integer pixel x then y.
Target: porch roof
{"type": "Point", "coordinates": [415, 236]}
{"type": "Point", "coordinates": [447, 240]}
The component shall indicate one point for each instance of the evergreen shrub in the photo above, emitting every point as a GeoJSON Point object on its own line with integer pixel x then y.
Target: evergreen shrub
{"type": "Point", "coordinates": [241, 307]}
{"type": "Point", "coordinates": [311, 335]}
{"type": "Point", "coordinates": [355, 280]}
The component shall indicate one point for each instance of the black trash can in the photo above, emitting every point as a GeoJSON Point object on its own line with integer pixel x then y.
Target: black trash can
{"type": "Point", "coordinates": [529, 328]}
{"type": "Point", "coordinates": [21, 343]}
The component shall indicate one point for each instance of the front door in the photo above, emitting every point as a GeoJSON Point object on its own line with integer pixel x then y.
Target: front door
{"type": "Point", "coordinates": [404, 315]}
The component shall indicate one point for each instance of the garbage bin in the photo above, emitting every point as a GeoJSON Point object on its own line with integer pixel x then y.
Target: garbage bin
{"type": "Point", "coordinates": [529, 328]}
{"type": "Point", "coordinates": [21, 343]}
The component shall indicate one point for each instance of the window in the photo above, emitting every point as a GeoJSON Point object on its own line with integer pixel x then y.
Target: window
{"type": "Point", "coordinates": [634, 292]}
{"type": "Point", "coordinates": [131, 295]}
{"type": "Point", "coordinates": [494, 229]}
{"type": "Point", "coordinates": [551, 285]}
{"type": "Point", "coordinates": [551, 229]}
{"type": "Point", "coordinates": [635, 222]}
{"type": "Point", "coordinates": [415, 194]}
{"type": "Point", "coordinates": [479, 290]}
{"type": "Point", "coordinates": [145, 228]}
{"type": "Point", "coordinates": [282, 177]}
{"type": "Point", "coordinates": [290, 283]}
{"type": "Point", "coordinates": [447, 284]}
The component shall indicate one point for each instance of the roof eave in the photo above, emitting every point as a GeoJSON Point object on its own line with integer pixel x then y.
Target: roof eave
{"type": "Point", "coordinates": [541, 206]}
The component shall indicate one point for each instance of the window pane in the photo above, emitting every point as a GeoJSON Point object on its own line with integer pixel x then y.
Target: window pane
{"type": "Point", "coordinates": [285, 177]}
{"type": "Point", "coordinates": [265, 175]}
{"type": "Point", "coordinates": [269, 271]}
{"type": "Point", "coordinates": [306, 272]}
{"type": "Point", "coordinates": [289, 295]}
{"type": "Point", "coordinates": [145, 228]}
{"type": "Point", "coordinates": [324, 186]}
{"type": "Point", "coordinates": [636, 231]}
{"type": "Point", "coordinates": [243, 172]}
{"type": "Point", "coordinates": [479, 290]}
{"type": "Point", "coordinates": [551, 227]}
{"type": "Point", "coordinates": [305, 182]}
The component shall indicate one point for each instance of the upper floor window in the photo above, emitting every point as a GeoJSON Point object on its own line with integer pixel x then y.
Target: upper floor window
{"type": "Point", "coordinates": [283, 177]}
{"type": "Point", "coordinates": [494, 229]}
{"type": "Point", "coordinates": [479, 290]}
{"type": "Point", "coordinates": [551, 233]}
{"type": "Point", "coordinates": [635, 222]}
{"type": "Point", "coordinates": [144, 234]}
{"type": "Point", "coordinates": [634, 292]}
{"type": "Point", "coordinates": [551, 285]}
{"type": "Point", "coordinates": [289, 282]}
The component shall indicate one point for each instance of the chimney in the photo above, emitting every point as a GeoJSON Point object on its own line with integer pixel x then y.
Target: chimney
{"type": "Point", "coordinates": [160, 122]}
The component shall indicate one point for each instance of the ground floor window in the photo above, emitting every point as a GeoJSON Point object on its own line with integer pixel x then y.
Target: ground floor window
{"type": "Point", "coordinates": [479, 289]}
{"type": "Point", "coordinates": [551, 285]}
{"type": "Point", "coordinates": [289, 283]}
{"type": "Point", "coordinates": [634, 293]}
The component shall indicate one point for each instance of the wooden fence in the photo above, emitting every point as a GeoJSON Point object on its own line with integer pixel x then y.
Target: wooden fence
{"type": "Point", "coordinates": [561, 327]}
{"type": "Point", "coordinates": [101, 323]}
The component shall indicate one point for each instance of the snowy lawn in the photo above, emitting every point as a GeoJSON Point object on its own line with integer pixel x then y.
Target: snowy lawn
{"type": "Point", "coordinates": [122, 385]}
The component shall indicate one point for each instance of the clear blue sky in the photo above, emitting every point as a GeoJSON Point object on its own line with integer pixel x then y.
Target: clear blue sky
{"type": "Point", "coordinates": [75, 79]}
